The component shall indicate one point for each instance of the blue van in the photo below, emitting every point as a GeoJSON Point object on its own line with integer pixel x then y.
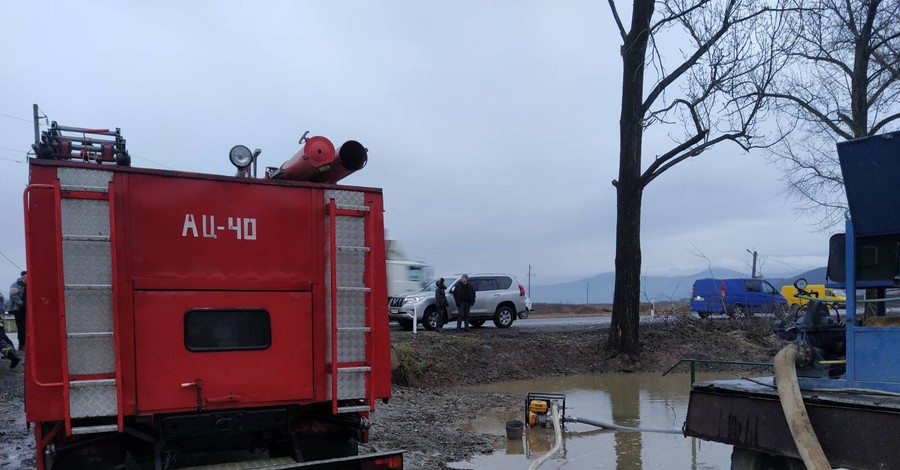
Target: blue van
{"type": "Point", "coordinates": [734, 297]}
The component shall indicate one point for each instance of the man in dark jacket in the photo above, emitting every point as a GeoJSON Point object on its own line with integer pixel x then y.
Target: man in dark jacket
{"type": "Point", "coordinates": [6, 347]}
{"type": "Point", "coordinates": [464, 296]}
{"type": "Point", "coordinates": [17, 307]}
{"type": "Point", "coordinates": [440, 302]}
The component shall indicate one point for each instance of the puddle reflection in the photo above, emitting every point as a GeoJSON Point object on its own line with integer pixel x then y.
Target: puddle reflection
{"type": "Point", "coordinates": [647, 400]}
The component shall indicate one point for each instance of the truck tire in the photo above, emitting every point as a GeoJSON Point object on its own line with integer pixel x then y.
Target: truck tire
{"type": "Point", "coordinates": [504, 317]}
{"type": "Point", "coordinates": [739, 311]}
{"type": "Point", "coordinates": [476, 323]}
{"type": "Point", "coordinates": [328, 446]}
{"type": "Point", "coordinates": [702, 314]}
{"type": "Point", "coordinates": [746, 459]}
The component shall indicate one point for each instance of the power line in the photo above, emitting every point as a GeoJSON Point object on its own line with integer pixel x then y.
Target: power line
{"type": "Point", "coordinates": [151, 161]}
{"type": "Point", "coordinates": [798, 256]}
{"type": "Point", "coordinates": [17, 118]}
{"type": "Point", "coordinates": [779, 261]}
{"type": "Point", "coordinates": [14, 150]}
{"type": "Point", "coordinates": [10, 261]}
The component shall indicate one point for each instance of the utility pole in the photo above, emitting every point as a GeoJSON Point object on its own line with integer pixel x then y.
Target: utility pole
{"type": "Point", "coordinates": [587, 294]}
{"type": "Point", "coordinates": [529, 281]}
{"type": "Point", "coordinates": [37, 126]}
{"type": "Point", "coordinates": [753, 275]}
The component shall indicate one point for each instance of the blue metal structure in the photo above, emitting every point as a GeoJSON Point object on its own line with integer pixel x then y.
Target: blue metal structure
{"type": "Point", "coordinates": [870, 167]}
{"type": "Point", "coordinates": [852, 365]}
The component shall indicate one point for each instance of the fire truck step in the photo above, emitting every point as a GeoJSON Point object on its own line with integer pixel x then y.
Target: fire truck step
{"type": "Point", "coordinates": [353, 409]}
{"type": "Point", "coordinates": [351, 207]}
{"type": "Point", "coordinates": [92, 334]}
{"type": "Point", "coordinates": [358, 249]}
{"type": "Point", "coordinates": [95, 429]}
{"type": "Point", "coordinates": [77, 187]}
{"type": "Point", "coordinates": [354, 369]}
{"type": "Point", "coordinates": [93, 398]}
{"type": "Point", "coordinates": [262, 464]}
{"type": "Point", "coordinates": [86, 238]}
{"type": "Point", "coordinates": [91, 383]}
{"type": "Point", "coordinates": [89, 286]}
{"type": "Point", "coordinates": [353, 289]}
{"type": "Point", "coordinates": [358, 329]}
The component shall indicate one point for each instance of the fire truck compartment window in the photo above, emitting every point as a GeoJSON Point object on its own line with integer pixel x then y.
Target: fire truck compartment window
{"type": "Point", "coordinates": [227, 330]}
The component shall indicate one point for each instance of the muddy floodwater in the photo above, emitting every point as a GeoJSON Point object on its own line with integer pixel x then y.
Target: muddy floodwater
{"type": "Point", "coordinates": [636, 400]}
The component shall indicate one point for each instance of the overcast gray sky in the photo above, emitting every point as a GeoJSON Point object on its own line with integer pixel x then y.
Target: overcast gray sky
{"type": "Point", "coordinates": [491, 126]}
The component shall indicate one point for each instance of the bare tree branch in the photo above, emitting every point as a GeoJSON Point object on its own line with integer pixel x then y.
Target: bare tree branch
{"type": "Point", "coordinates": [841, 81]}
{"type": "Point", "coordinates": [615, 12]}
{"type": "Point", "coordinates": [815, 112]}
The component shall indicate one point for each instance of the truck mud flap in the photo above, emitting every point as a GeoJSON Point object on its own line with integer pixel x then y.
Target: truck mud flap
{"type": "Point", "coordinates": [376, 461]}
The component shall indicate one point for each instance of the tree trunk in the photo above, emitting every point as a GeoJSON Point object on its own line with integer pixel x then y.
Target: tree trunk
{"type": "Point", "coordinates": [859, 86]}
{"type": "Point", "coordinates": [623, 331]}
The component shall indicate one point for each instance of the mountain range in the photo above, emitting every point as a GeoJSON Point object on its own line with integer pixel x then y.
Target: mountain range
{"type": "Point", "coordinates": [599, 288]}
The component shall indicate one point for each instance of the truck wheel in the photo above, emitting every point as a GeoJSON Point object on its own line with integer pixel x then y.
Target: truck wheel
{"type": "Point", "coordinates": [739, 311]}
{"type": "Point", "coordinates": [476, 323]}
{"type": "Point", "coordinates": [328, 446]}
{"type": "Point", "coordinates": [430, 319]}
{"type": "Point", "coordinates": [405, 324]}
{"type": "Point", "coordinates": [504, 317]}
{"type": "Point", "coordinates": [787, 463]}
{"type": "Point", "coordinates": [746, 459]}
{"type": "Point", "coordinates": [702, 314]}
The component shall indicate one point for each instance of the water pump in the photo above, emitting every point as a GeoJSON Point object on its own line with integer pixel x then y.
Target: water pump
{"type": "Point", "coordinates": [537, 408]}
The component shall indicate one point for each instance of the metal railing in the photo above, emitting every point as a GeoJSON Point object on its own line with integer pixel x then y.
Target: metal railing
{"type": "Point", "coordinates": [694, 363]}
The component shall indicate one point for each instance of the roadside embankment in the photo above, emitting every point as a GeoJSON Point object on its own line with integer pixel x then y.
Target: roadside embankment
{"type": "Point", "coordinates": [485, 355]}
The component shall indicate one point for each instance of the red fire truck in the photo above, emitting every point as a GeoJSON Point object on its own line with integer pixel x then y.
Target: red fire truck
{"type": "Point", "coordinates": [175, 315]}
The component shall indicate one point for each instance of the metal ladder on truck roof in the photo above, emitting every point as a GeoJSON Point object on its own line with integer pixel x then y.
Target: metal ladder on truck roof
{"type": "Point", "coordinates": [348, 299]}
{"type": "Point", "coordinates": [91, 375]}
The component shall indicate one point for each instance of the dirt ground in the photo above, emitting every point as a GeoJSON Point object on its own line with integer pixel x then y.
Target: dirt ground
{"type": "Point", "coordinates": [431, 407]}
{"type": "Point", "coordinates": [543, 310]}
{"type": "Point", "coordinates": [16, 442]}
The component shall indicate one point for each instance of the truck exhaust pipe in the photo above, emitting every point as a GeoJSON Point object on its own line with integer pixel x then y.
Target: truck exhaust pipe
{"type": "Point", "coordinates": [316, 155]}
{"type": "Point", "coordinates": [351, 157]}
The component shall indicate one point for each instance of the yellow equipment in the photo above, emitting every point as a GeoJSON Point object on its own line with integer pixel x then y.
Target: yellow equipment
{"type": "Point", "coordinates": [537, 408]}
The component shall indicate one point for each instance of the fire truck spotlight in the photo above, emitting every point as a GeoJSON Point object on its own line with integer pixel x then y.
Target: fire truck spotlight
{"type": "Point", "coordinates": [240, 156]}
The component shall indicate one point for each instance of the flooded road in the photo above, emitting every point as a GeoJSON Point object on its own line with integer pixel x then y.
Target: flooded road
{"type": "Point", "coordinates": [644, 400]}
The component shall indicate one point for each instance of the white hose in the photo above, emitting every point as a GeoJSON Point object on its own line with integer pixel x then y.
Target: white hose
{"type": "Point", "coordinates": [795, 411]}
{"type": "Point", "coordinates": [554, 417]}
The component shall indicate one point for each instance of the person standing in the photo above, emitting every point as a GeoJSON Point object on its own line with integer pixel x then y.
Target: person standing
{"type": "Point", "coordinates": [6, 346]}
{"type": "Point", "coordinates": [440, 302]}
{"type": "Point", "coordinates": [18, 308]}
{"type": "Point", "coordinates": [464, 296]}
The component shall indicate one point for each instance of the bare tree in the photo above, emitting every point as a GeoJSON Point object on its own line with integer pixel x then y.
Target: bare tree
{"type": "Point", "coordinates": [840, 82]}
{"type": "Point", "coordinates": [713, 93]}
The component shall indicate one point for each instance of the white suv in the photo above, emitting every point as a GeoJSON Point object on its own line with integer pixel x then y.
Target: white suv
{"type": "Point", "coordinates": [498, 297]}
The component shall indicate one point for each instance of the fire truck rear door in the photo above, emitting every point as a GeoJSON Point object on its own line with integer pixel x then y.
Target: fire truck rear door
{"type": "Point", "coordinates": [216, 349]}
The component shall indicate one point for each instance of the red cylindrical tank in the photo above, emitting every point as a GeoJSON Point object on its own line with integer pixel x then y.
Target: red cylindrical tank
{"type": "Point", "coordinates": [351, 157]}
{"type": "Point", "coordinates": [315, 156]}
